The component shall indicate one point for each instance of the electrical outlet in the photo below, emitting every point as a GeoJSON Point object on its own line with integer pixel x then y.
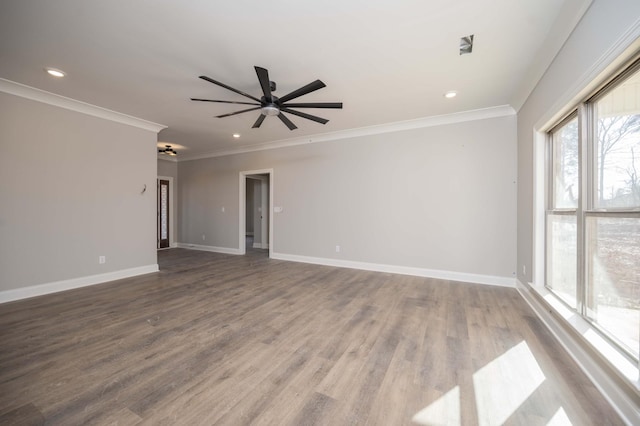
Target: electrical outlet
{"type": "Point", "coordinates": [337, 249]}
{"type": "Point", "coordinates": [102, 259]}
{"type": "Point", "coordinates": [203, 237]}
{"type": "Point", "coordinates": [524, 270]}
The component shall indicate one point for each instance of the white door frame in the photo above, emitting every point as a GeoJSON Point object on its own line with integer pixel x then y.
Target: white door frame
{"type": "Point", "coordinates": [242, 217]}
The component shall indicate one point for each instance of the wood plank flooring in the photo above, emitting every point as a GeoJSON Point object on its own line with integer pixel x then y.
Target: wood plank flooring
{"type": "Point", "coordinates": [238, 340]}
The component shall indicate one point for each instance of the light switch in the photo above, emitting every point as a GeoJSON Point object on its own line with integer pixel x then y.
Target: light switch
{"type": "Point", "coordinates": [277, 209]}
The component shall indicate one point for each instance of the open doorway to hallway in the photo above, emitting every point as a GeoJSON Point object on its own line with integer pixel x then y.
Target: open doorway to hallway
{"type": "Point", "coordinates": [256, 228]}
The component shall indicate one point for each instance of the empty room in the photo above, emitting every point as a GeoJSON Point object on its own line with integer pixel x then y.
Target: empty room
{"type": "Point", "coordinates": [320, 213]}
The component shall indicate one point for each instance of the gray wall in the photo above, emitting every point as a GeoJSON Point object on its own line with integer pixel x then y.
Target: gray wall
{"type": "Point", "coordinates": [70, 191]}
{"type": "Point", "coordinates": [168, 168]}
{"type": "Point", "coordinates": [602, 26]}
{"type": "Point", "coordinates": [439, 198]}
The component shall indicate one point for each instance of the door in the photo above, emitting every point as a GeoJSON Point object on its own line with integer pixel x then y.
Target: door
{"type": "Point", "coordinates": [163, 213]}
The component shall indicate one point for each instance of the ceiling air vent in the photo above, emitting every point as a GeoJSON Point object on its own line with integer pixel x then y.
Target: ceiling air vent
{"type": "Point", "coordinates": [466, 44]}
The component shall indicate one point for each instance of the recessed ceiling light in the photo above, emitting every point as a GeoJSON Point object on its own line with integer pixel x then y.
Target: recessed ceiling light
{"type": "Point", "coordinates": [236, 135]}
{"type": "Point", "coordinates": [54, 72]}
{"type": "Point", "coordinates": [451, 94]}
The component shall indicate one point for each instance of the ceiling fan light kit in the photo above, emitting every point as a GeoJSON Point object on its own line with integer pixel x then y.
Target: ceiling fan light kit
{"type": "Point", "coordinates": [270, 110]}
{"type": "Point", "coordinates": [270, 105]}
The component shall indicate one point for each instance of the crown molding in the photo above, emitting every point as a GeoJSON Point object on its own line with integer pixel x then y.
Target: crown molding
{"type": "Point", "coordinates": [398, 126]}
{"type": "Point", "coordinates": [28, 92]}
{"type": "Point", "coordinates": [619, 52]}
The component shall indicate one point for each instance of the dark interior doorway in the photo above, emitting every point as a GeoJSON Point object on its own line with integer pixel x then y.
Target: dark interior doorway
{"type": "Point", "coordinates": [163, 213]}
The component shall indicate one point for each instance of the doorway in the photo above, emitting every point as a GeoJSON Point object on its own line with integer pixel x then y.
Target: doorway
{"type": "Point", "coordinates": [256, 205]}
{"type": "Point", "coordinates": [163, 221]}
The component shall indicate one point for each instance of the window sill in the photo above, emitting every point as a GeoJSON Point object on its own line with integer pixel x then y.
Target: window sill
{"type": "Point", "coordinates": [613, 373]}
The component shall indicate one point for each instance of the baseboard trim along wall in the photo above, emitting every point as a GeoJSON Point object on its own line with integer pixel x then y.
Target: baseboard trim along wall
{"type": "Point", "coordinates": [622, 398]}
{"type": "Point", "coordinates": [224, 250]}
{"type": "Point", "coordinates": [57, 286]}
{"type": "Point", "coordinates": [403, 270]}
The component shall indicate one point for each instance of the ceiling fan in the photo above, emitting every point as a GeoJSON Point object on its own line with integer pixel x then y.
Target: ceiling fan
{"type": "Point", "coordinates": [168, 150]}
{"type": "Point", "coordinates": [270, 105]}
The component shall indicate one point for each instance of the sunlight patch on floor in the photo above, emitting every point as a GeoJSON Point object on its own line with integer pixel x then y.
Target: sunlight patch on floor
{"type": "Point", "coordinates": [505, 383]}
{"type": "Point", "coordinates": [559, 419]}
{"type": "Point", "coordinates": [443, 411]}
{"type": "Point", "coordinates": [500, 388]}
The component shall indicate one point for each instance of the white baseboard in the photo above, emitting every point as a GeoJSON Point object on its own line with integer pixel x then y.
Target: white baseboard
{"type": "Point", "coordinates": [403, 270]}
{"type": "Point", "coordinates": [225, 250]}
{"type": "Point", "coordinates": [57, 286]}
{"type": "Point", "coordinates": [623, 400]}
{"type": "Point", "coordinates": [261, 245]}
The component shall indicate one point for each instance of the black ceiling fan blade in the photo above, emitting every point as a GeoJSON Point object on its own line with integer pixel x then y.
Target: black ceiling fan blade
{"type": "Point", "coordinates": [237, 112]}
{"type": "Point", "coordinates": [224, 102]}
{"type": "Point", "coordinates": [287, 122]}
{"type": "Point", "coordinates": [305, 115]}
{"type": "Point", "coordinates": [210, 80]}
{"type": "Point", "coordinates": [258, 122]}
{"type": "Point", "coordinates": [263, 77]}
{"type": "Point", "coordinates": [311, 87]}
{"type": "Point", "coordinates": [315, 105]}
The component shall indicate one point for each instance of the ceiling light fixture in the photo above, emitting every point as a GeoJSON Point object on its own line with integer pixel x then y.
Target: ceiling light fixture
{"type": "Point", "coordinates": [55, 72]}
{"type": "Point", "coordinates": [168, 150]}
{"type": "Point", "coordinates": [451, 94]}
{"type": "Point", "coordinates": [270, 105]}
{"type": "Point", "coordinates": [270, 110]}
{"type": "Point", "coordinates": [236, 135]}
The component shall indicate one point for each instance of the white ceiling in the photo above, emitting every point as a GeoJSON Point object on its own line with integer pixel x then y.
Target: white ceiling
{"type": "Point", "coordinates": [386, 60]}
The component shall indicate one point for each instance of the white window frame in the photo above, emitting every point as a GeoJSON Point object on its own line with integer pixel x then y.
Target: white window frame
{"type": "Point", "coordinates": [625, 365]}
{"type": "Point", "coordinates": [584, 111]}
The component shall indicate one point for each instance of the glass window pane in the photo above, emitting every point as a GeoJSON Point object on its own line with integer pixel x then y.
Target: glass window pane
{"type": "Point", "coordinates": [164, 210]}
{"type": "Point", "coordinates": [565, 165]}
{"type": "Point", "coordinates": [562, 256]}
{"type": "Point", "coordinates": [617, 156]}
{"type": "Point", "coordinates": [613, 277]}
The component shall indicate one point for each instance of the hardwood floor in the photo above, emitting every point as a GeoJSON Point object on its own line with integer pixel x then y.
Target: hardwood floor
{"type": "Point", "coordinates": [234, 340]}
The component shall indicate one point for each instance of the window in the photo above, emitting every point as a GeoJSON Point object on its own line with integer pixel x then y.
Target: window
{"type": "Point", "coordinates": [562, 229]}
{"type": "Point", "coordinates": [592, 224]}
